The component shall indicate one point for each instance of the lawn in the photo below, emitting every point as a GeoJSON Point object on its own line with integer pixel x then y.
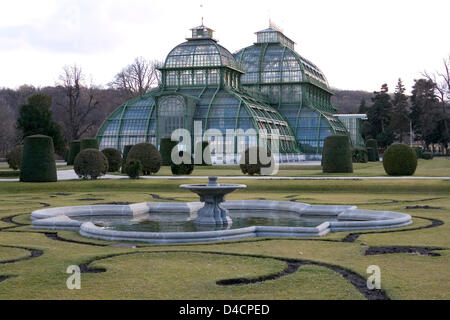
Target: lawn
{"type": "Point", "coordinates": [185, 271]}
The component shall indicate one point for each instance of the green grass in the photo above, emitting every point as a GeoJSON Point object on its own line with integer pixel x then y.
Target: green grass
{"type": "Point", "coordinates": [184, 271]}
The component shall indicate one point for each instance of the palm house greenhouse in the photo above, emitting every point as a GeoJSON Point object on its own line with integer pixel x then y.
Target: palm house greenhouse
{"type": "Point", "coordinates": [267, 87]}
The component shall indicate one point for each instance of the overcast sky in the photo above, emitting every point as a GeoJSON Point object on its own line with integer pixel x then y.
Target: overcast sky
{"type": "Point", "coordinates": [357, 44]}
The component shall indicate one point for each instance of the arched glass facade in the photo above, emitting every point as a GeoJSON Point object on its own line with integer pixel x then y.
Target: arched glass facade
{"type": "Point", "coordinates": [293, 85]}
{"type": "Point", "coordinates": [267, 88]}
{"type": "Point", "coordinates": [200, 85]}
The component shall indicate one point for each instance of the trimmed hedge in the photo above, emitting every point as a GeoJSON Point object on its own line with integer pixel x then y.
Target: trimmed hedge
{"type": "Point", "coordinates": [251, 167]}
{"type": "Point", "coordinates": [427, 156]}
{"type": "Point", "coordinates": [373, 152]}
{"type": "Point", "coordinates": [114, 159]}
{"type": "Point", "coordinates": [126, 149]}
{"type": "Point", "coordinates": [166, 148]}
{"type": "Point", "coordinates": [14, 157]}
{"type": "Point", "coordinates": [418, 151]}
{"type": "Point", "coordinates": [336, 155]}
{"type": "Point", "coordinates": [90, 164]}
{"type": "Point", "coordinates": [74, 151]}
{"type": "Point", "coordinates": [133, 168]}
{"type": "Point", "coordinates": [38, 161]}
{"type": "Point", "coordinates": [399, 160]}
{"type": "Point", "coordinates": [148, 155]}
{"type": "Point", "coordinates": [182, 168]}
{"type": "Point", "coordinates": [90, 143]}
{"type": "Point", "coordinates": [359, 155]}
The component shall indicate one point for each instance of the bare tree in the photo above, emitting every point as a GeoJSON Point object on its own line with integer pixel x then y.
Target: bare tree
{"type": "Point", "coordinates": [441, 82]}
{"type": "Point", "coordinates": [79, 103]}
{"type": "Point", "coordinates": [137, 78]}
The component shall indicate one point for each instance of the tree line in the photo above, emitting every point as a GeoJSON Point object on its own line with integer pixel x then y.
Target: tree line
{"type": "Point", "coordinates": [423, 117]}
{"type": "Point", "coordinates": [73, 108]}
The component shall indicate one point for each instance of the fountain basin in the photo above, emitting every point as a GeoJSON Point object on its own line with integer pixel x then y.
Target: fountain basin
{"type": "Point", "coordinates": [335, 219]}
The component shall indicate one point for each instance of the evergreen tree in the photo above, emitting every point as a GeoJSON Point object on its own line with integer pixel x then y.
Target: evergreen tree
{"type": "Point", "coordinates": [400, 121]}
{"type": "Point", "coordinates": [379, 116]}
{"type": "Point", "coordinates": [363, 107]}
{"type": "Point", "coordinates": [35, 117]}
{"type": "Point", "coordinates": [425, 113]}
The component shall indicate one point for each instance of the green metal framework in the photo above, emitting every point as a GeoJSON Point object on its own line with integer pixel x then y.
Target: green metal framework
{"type": "Point", "coordinates": [293, 85]}
{"type": "Point", "coordinates": [207, 78]}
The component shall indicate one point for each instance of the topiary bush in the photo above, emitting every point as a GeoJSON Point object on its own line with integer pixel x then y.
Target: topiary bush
{"type": "Point", "coordinates": [373, 154]}
{"type": "Point", "coordinates": [427, 156]}
{"type": "Point", "coordinates": [166, 148]}
{"type": "Point", "coordinates": [133, 168]}
{"type": "Point", "coordinates": [148, 155]}
{"type": "Point", "coordinates": [336, 155]}
{"type": "Point", "coordinates": [418, 151]}
{"type": "Point", "coordinates": [73, 152]}
{"type": "Point", "coordinates": [182, 168]}
{"type": "Point", "coordinates": [126, 149]}
{"type": "Point", "coordinates": [90, 164]}
{"type": "Point", "coordinates": [359, 155]}
{"type": "Point", "coordinates": [38, 161]}
{"type": "Point", "coordinates": [399, 160]}
{"type": "Point", "coordinates": [14, 157]}
{"type": "Point", "coordinates": [90, 143]}
{"type": "Point", "coordinates": [114, 159]}
{"type": "Point", "coordinates": [250, 166]}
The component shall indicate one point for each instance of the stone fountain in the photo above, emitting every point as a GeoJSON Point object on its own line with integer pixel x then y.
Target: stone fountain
{"type": "Point", "coordinates": [213, 194]}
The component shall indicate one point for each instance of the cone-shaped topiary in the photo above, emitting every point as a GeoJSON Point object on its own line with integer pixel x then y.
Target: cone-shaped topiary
{"type": "Point", "coordinates": [90, 164]}
{"type": "Point", "coordinates": [38, 161]}
{"type": "Point", "coordinates": [251, 163]}
{"type": "Point", "coordinates": [148, 155]}
{"type": "Point", "coordinates": [73, 152]}
{"type": "Point", "coordinates": [182, 168]}
{"type": "Point", "coordinates": [90, 143]}
{"type": "Point", "coordinates": [166, 147]}
{"type": "Point", "coordinates": [114, 159]}
{"type": "Point", "coordinates": [373, 153]}
{"type": "Point", "coordinates": [336, 155]}
{"type": "Point", "coordinates": [399, 160]}
{"type": "Point", "coordinates": [14, 157]}
{"type": "Point", "coordinates": [126, 149]}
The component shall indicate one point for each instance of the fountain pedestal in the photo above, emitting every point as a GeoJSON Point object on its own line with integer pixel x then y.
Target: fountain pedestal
{"type": "Point", "coordinates": [212, 194]}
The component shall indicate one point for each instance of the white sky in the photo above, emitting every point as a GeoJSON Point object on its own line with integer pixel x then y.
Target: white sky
{"type": "Point", "coordinates": [357, 44]}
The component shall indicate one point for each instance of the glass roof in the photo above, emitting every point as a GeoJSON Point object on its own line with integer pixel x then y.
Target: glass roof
{"type": "Point", "coordinates": [200, 51]}
{"type": "Point", "coordinates": [271, 61]}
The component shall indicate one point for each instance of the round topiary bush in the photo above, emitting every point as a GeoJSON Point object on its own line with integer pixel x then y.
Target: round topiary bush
{"type": "Point", "coordinates": [38, 161]}
{"type": "Point", "coordinates": [73, 151]}
{"type": "Point", "coordinates": [148, 155]}
{"type": "Point", "coordinates": [114, 159]}
{"type": "Point", "coordinates": [373, 154]}
{"type": "Point", "coordinates": [182, 168]}
{"type": "Point", "coordinates": [251, 161]}
{"type": "Point", "coordinates": [90, 143]}
{"type": "Point", "coordinates": [14, 157]}
{"type": "Point", "coordinates": [359, 155]}
{"type": "Point", "coordinates": [336, 155]}
{"type": "Point", "coordinates": [166, 147]}
{"type": "Point", "coordinates": [133, 168]}
{"type": "Point", "coordinates": [399, 160]}
{"type": "Point", "coordinates": [90, 164]}
{"type": "Point", "coordinates": [126, 149]}
{"type": "Point", "coordinates": [427, 155]}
